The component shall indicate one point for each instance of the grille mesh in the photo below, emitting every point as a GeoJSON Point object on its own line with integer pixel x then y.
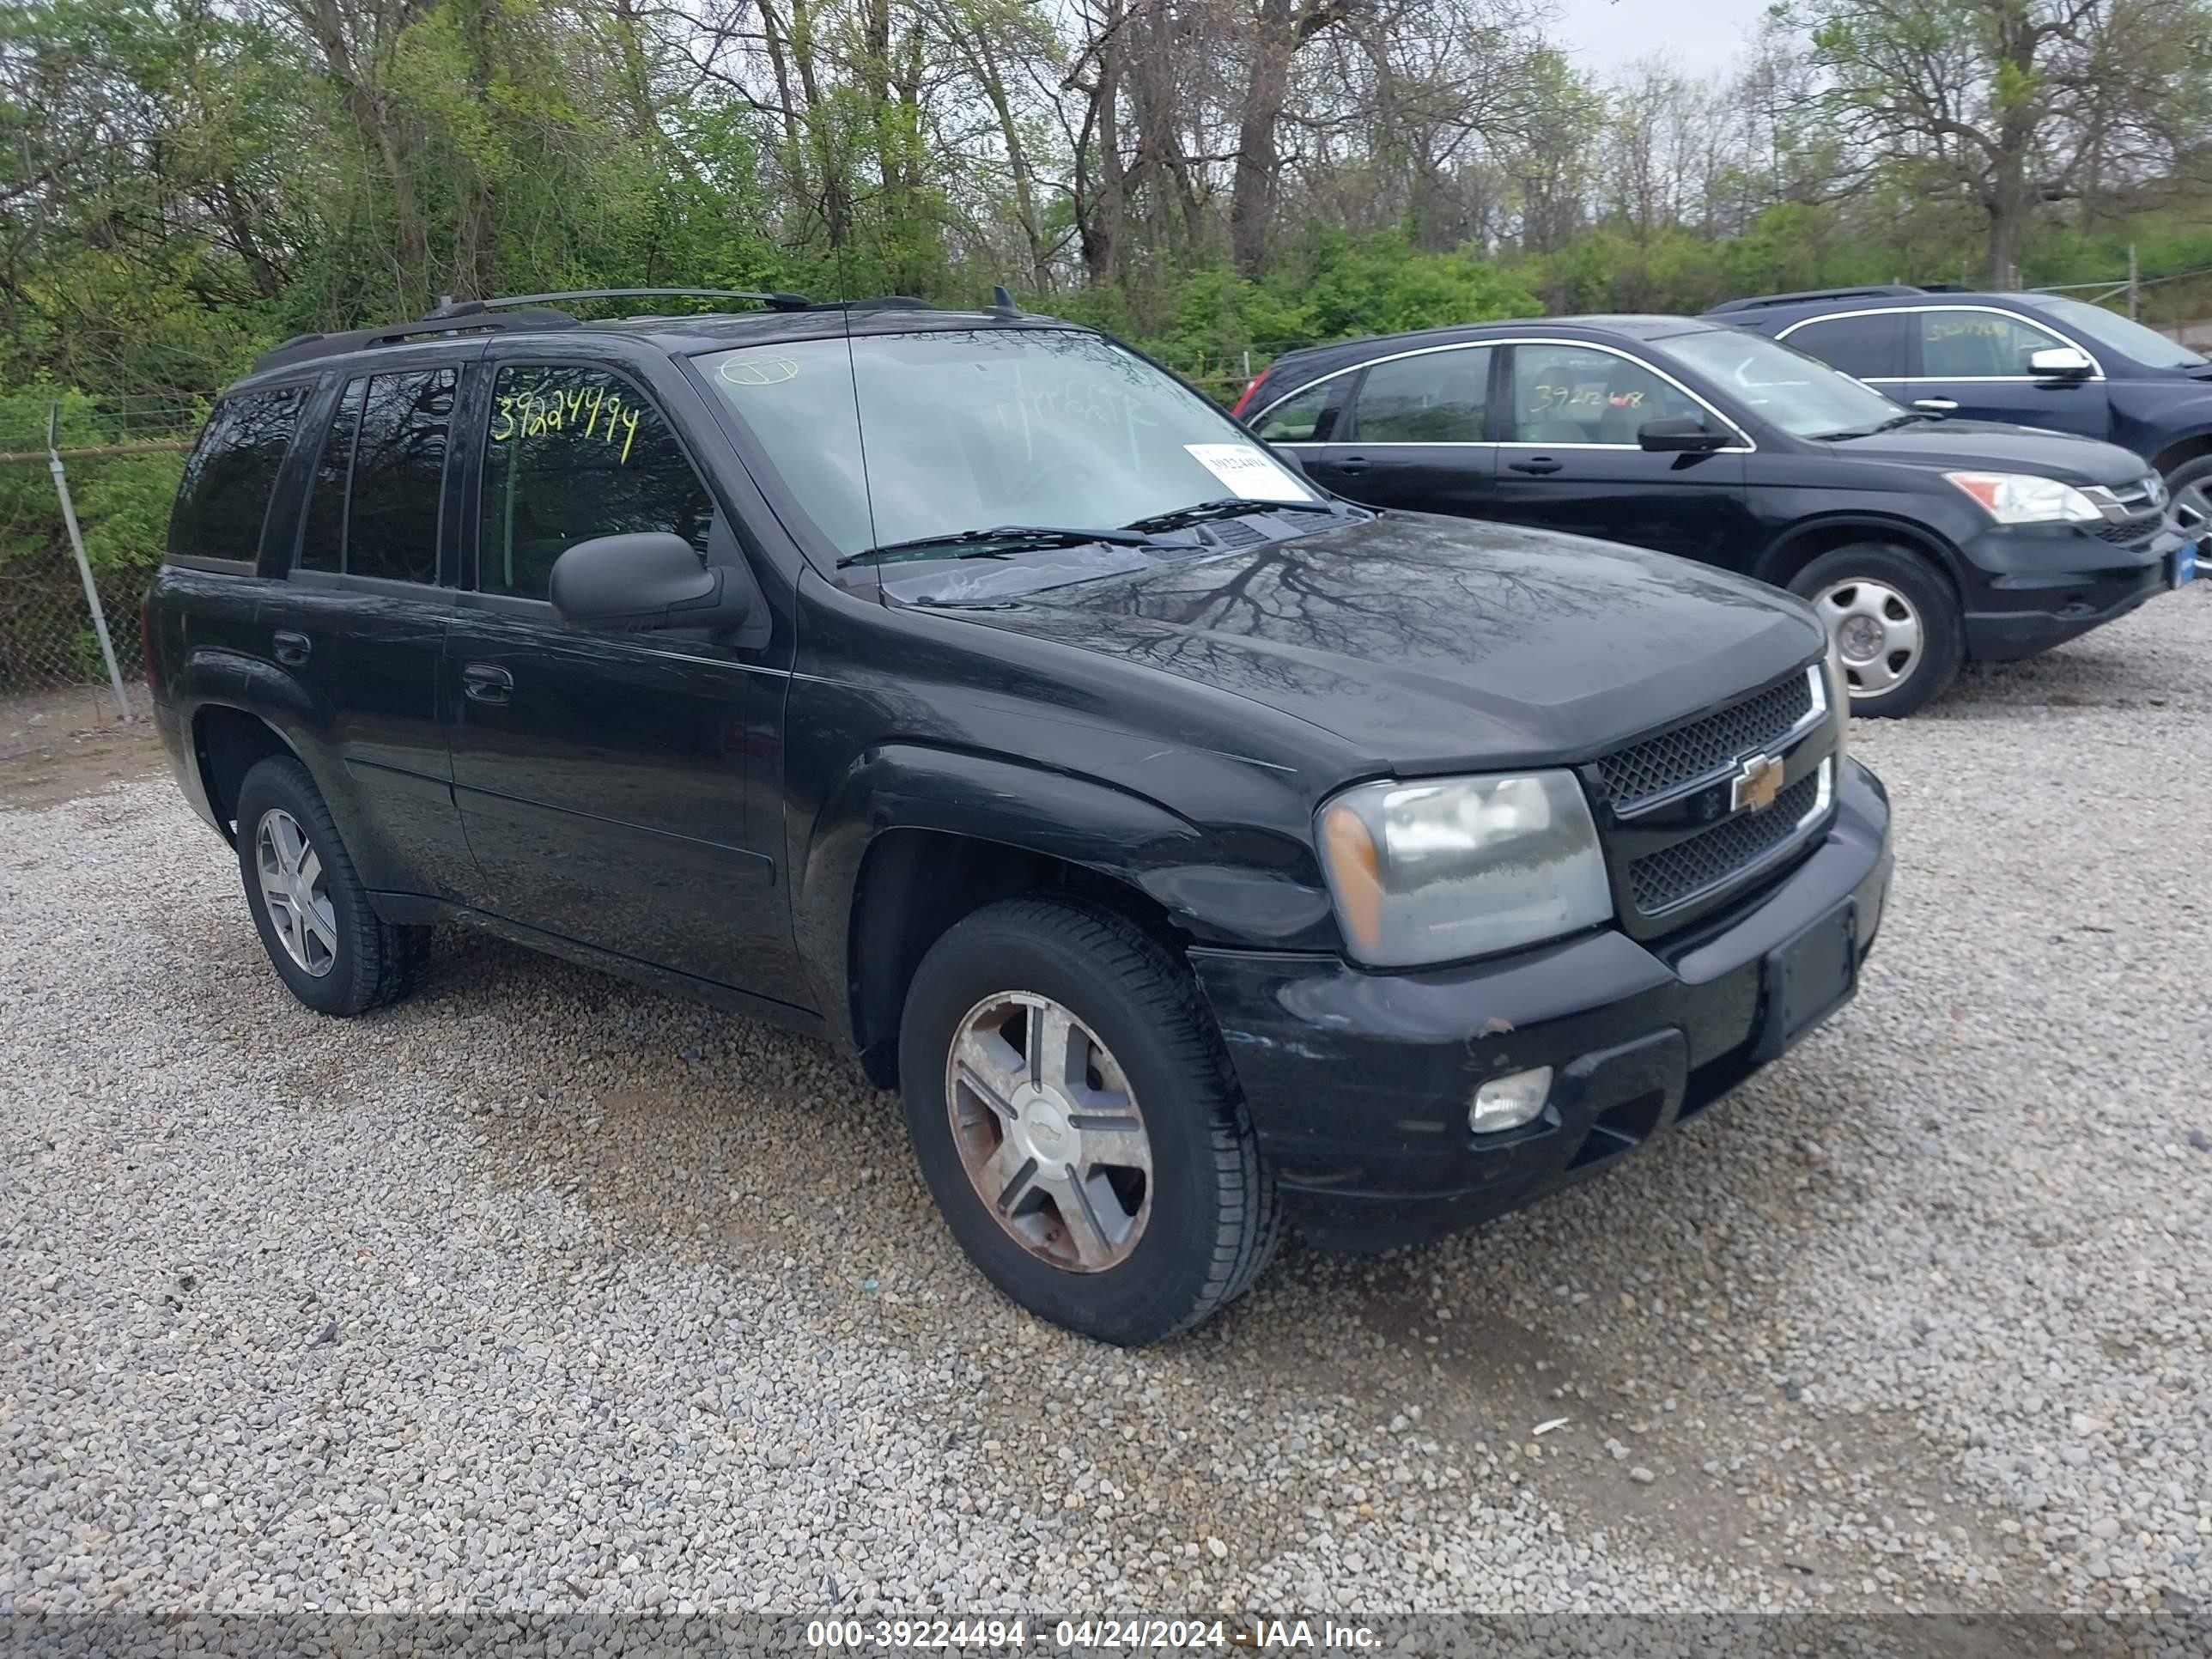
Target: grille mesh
{"type": "Point", "coordinates": [2135, 530]}
{"type": "Point", "coordinates": [1689, 751]}
{"type": "Point", "coordinates": [1674, 873]}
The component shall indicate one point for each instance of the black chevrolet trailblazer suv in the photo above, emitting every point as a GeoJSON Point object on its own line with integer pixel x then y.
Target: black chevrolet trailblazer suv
{"type": "Point", "coordinates": [1923, 543]}
{"type": "Point", "coordinates": [1193, 852]}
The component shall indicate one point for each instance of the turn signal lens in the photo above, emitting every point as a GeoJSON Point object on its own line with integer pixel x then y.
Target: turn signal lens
{"type": "Point", "coordinates": [1357, 875]}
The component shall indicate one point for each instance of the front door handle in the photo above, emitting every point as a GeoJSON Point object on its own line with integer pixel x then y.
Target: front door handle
{"type": "Point", "coordinates": [1936, 405]}
{"type": "Point", "coordinates": [485, 683]}
{"type": "Point", "coordinates": [292, 649]}
{"type": "Point", "coordinates": [1539, 464]}
{"type": "Point", "coordinates": [1351, 463]}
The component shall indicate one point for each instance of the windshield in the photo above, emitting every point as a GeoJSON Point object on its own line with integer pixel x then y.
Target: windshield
{"type": "Point", "coordinates": [1801, 395]}
{"type": "Point", "coordinates": [922, 437]}
{"type": "Point", "coordinates": [2108, 328]}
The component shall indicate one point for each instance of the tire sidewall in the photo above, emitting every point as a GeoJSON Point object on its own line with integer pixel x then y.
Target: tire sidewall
{"type": "Point", "coordinates": [284, 784]}
{"type": "Point", "coordinates": [1164, 1275]}
{"type": "Point", "coordinates": [1942, 651]}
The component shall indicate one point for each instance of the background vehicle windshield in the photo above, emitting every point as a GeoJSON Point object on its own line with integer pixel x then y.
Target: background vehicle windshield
{"type": "Point", "coordinates": [1801, 395]}
{"type": "Point", "coordinates": [961, 429]}
{"type": "Point", "coordinates": [2108, 328]}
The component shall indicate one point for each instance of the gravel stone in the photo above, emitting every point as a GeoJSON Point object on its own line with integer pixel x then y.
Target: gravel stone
{"type": "Point", "coordinates": [496, 1299]}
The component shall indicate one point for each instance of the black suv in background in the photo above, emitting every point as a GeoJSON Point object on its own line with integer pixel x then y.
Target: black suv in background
{"type": "Point", "coordinates": [2037, 359]}
{"type": "Point", "coordinates": [1191, 852]}
{"type": "Point", "coordinates": [1922, 543]}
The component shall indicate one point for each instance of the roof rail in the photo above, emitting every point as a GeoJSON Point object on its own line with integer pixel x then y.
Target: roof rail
{"type": "Point", "coordinates": [773, 301]}
{"type": "Point", "coordinates": [1879, 291]}
{"type": "Point", "coordinates": [468, 318]}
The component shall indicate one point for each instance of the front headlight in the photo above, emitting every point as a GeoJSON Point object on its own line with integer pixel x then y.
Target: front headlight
{"type": "Point", "coordinates": [2023, 498]}
{"type": "Point", "coordinates": [1443, 868]}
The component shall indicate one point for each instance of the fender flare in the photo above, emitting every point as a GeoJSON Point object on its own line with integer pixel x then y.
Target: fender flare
{"type": "Point", "coordinates": [1914, 536]}
{"type": "Point", "coordinates": [1124, 837]}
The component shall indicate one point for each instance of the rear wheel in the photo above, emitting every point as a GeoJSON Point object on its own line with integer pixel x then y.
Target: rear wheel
{"type": "Point", "coordinates": [1077, 1125]}
{"type": "Point", "coordinates": [322, 936]}
{"type": "Point", "coordinates": [1894, 621]}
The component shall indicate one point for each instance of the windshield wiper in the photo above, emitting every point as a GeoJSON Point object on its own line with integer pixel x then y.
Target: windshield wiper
{"type": "Point", "coordinates": [1889, 425]}
{"type": "Point", "coordinates": [1223, 508]}
{"type": "Point", "coordinates": [1010, 535]}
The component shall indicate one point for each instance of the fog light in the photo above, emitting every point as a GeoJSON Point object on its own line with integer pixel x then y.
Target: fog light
{"type": "Point", "coordinates": [1508, 1102]}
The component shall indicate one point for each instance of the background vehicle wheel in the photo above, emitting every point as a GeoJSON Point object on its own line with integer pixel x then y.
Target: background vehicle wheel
{"type": "Point", "coordinates": [2190, 484]}
{"type": "Point", "coordinates": [1076, 1120]}
{"type": "Point", "coordinates": [313, 914]}
{"type": "Point", "coordinates": [1894, 618]}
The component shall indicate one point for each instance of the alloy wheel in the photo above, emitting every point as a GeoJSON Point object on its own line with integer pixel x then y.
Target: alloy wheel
{"type": "Point", "coordinates": [1049, 1132]}
{"type": "Point", "coordinates": [292, 888]}
{"type": "Point", "coordinates": [1876, 631]}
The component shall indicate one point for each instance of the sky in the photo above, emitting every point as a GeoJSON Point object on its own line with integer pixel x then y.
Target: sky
{"type": "Point", "coordinates": [1701, 36]}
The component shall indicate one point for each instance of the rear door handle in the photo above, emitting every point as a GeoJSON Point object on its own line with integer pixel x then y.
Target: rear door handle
{"type": "Point", "coordinates": [485, 683]}
{"type": "Point", "coordinates": [1936, 405]}
{"type": "Point", "coordinates": [1351, 463]}
{"type": "Point", "coordinates": [1539, 464]}
{"type": "Point", "coordinates": [292, 649]}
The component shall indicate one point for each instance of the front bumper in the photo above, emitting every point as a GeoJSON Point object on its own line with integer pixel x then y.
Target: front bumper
{"type": "Point", "coordinates": [1358, 1083]}
{"type": "Point", "coordinates": [2044, 585]}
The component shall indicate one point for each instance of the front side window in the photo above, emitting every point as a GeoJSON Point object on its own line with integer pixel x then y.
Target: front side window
{"type": "Point", "coordinates": [223, 499]}
{"type": "Point", "coordinates": [2108, 328]}
{"type": "Point", "coordinates": [1435, 397]}
{"type": "Point", "coordinates": [1979, 345]}
{"type": "Point", "coordinates": [1300, 419]}
{"type": "Point", "coordinates": [1798, 393]}
{"type": "Point", "coordinates": [913, 437]}
{"type": "Point", "coordinates": [398, 477]}
{"type": "Point", "coordinates": [1867, 347]}
{"type": "Point", "coordinates": [1567, 394]}
{"type": "Point", "coordinates": [573, 454]}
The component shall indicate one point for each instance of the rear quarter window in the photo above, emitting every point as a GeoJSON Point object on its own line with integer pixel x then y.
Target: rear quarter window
{"type": "Point", "coordinates": [222, 501]}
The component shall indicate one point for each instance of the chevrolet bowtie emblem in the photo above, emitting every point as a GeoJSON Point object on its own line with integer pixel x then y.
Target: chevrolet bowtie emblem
{"type": "Point", "coordinates": [1756, 785]}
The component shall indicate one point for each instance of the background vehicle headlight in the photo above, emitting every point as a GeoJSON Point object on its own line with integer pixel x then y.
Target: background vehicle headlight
{"type": "Point", "coordinates": [1443, 868]}
{"type": "Point", "coordinates": [2023, 498]}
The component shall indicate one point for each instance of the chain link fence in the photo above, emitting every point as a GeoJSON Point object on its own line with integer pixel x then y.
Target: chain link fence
{"type": "Point", "coordinates": [112, 464]}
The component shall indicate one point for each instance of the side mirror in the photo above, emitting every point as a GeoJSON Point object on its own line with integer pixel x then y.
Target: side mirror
{"type": "Point", "coordinates": [628, 584]}
{"type": "Point", "coordinates": [1679, 434]}
{"type": "Point", "coordinates": [2060, 364]}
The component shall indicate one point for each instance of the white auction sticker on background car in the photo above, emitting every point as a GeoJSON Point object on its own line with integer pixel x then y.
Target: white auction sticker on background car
{"type": "Point", "coordinates": [1250, 472]}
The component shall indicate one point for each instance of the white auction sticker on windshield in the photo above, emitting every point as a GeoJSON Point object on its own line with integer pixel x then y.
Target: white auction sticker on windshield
{"type": "Point", "coordinates": [1250, 472]}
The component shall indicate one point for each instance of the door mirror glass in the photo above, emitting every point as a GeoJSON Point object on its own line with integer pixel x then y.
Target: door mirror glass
{"type": "Point", "coordinates": [646, 580]}
{"type": "Point", "coordinates": [1678, 434]}
{"type": "Point", "coordinates": [2060, 364]}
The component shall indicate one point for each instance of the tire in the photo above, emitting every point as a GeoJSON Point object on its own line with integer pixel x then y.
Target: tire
{"type": "Point", "coordinates": [346, 960]}
{"type": "Point", "coordinates": [1207, 1221]}
{"type": "Point", "coordinates": [2189, 485]}
{"type": "Point", "coordinates": [1872, 595]}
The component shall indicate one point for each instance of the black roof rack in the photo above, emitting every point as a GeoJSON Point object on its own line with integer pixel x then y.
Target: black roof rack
{"type": "Point", "coordinates": [774, 301]}
{"type": "Point", "coordinates": [469, 317]}
{"type": "Point", "coordinates": [1882, 291]}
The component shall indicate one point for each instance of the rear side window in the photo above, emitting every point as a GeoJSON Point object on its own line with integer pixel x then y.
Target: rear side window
{"type": "Point", "coordinates": [398, 477]}
{"type": "Point", "coordinates": [1979, 345]}
{"type": "Point", "coordinates": [1300, 419]}
{"type": "Point", "coordinates": [223, 498]}
{"type": "Point", "coordinates": [1437, 398]}
{"type": "Point", "coordinates": [322, 536]}
{"type": "Point", "coordinates": [1870, 347]}
{"type": "Point", "coordinates": [575, 453]}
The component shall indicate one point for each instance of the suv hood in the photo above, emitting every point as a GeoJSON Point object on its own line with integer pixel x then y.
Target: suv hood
{"type": "Point", "coordinates": [1431, 642]}
{"type": "Point", "coordinates": [1992, 447]}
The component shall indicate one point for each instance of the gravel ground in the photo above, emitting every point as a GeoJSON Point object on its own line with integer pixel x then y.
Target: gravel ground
{"type": "Point", "coordinates": [542, 1291]}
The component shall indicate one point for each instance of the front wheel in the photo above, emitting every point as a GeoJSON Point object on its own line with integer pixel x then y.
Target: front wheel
{"type": "Point", "coordinates": [1077, 1123]}
{"type": "Point", "coordinates": [2189, 485]}
{"type": "Point", "coordinates": [1893, 618]}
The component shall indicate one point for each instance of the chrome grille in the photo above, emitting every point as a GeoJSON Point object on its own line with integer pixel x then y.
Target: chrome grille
{"type": "Point", "coordinates": [1659, 763]}
{"type": "Point", "coordinates": [1675, 873]}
